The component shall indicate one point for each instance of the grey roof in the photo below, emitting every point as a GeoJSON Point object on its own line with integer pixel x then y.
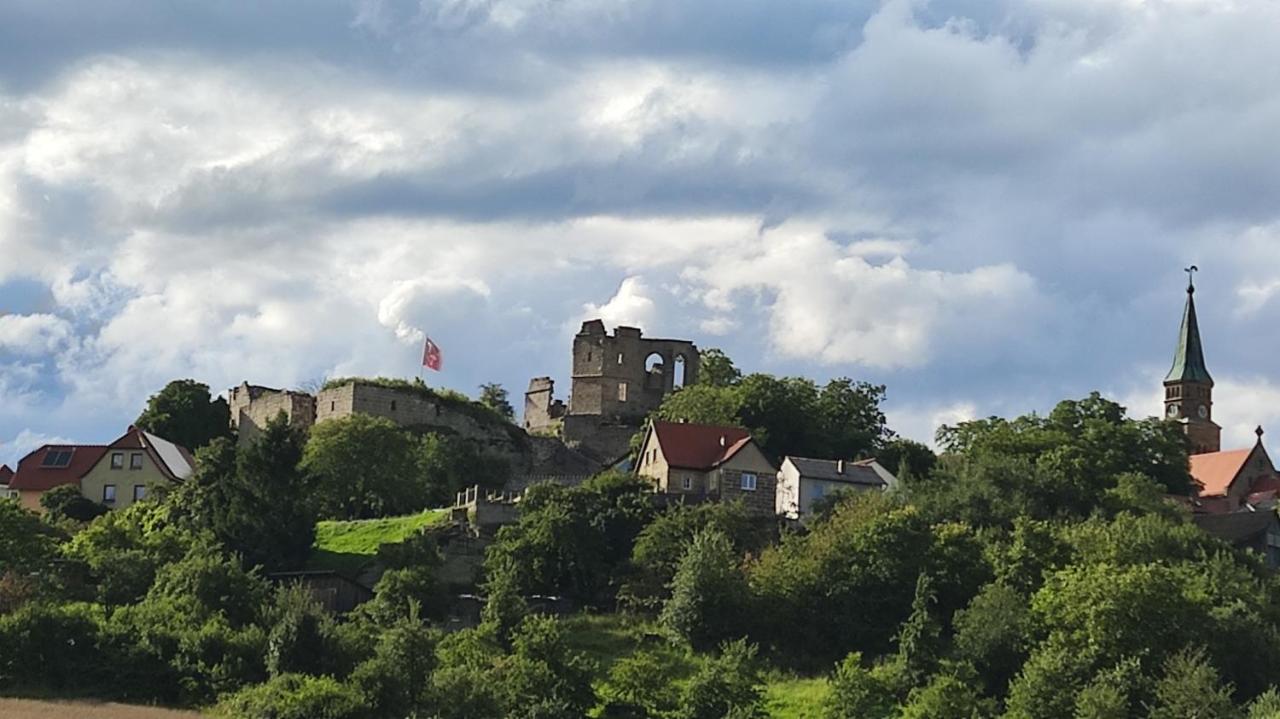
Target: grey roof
{"type": "Point", "coordinates": [172, 457]}
{"type": "Point", "coordinates": [1236, 527]}
{"type": "Point", "coordinates": [828, 470]}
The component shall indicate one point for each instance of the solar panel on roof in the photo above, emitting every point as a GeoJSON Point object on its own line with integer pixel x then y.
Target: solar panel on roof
{"type": "Point", "coordinates": [57, 458]}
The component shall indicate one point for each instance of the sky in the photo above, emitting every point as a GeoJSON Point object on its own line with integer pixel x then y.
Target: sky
{"type": "Point", "coordinates": [985, 205]}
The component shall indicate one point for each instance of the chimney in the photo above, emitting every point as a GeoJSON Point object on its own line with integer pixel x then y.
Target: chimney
{"type": "Point", "coordinates": [839, 466]}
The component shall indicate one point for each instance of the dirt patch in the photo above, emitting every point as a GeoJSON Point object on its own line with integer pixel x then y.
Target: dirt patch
{"type": "Point", "coordinates": [27, 709]}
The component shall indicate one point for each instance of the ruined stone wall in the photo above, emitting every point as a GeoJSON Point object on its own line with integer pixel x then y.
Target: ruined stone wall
{"type": "Point", "coordinates": [611, 373]}
{"type": "Point", "coordinates": [412, 409]}
{"type": "Point", "coordinates": [603, 442]}
{"type": "Point", "coordinates": [542, 411]}
{"type": "Point", "coordinates": [252, 407]}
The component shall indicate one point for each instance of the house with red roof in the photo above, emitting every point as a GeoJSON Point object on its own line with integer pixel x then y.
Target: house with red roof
{"type": "Point", "coordinates": [1228, 481]}
{"type": "Point", "coordinates": [702, 462]}
{"type": "Point", "coordinates": [114, 475]}
{"type": "Point", "coordinates": [6, 474]}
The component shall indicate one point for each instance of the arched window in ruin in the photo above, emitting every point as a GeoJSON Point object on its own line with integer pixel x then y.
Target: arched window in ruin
{"type": "Point", "coordinates": [654, 368]}
{"type": "Point", "coordinates": [678, 374]}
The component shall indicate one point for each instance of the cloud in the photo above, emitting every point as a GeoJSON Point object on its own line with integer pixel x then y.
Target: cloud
{"type": "Point", "coordinates": [983, 205]}
{"type": "Point", "coordinates": [828, 303]}
{"type": "Point", "coordinates": [33, 335]}
{"type": "Point", "coordinates": [631, 305]}
{"type": "Point", "coordinates": [22, 445]}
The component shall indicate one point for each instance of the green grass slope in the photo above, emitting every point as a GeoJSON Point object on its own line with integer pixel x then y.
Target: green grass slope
{"type": "Point", "coordinates": [349, 546]}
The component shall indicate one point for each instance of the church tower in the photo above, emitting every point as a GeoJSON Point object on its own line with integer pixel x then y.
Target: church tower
{"type": "Point", "coordinates": [1188, 388]}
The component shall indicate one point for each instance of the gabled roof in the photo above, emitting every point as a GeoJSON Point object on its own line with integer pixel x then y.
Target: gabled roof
{"type": "Point", "coordinates": [1215, 471]}
{"type": "Point", "coordinates": [35, 474]}
{"type": "Point", "coordinates": [174, 461]}
{"type": "Point", "coordinates": [1236, 527]}
{"type": "Point", "coordinates": [6, 474]}
{"type": "Point", "coordinates": [699, 446]}
{"type": "Point", "coordinates": [1188, 358]}
{"type": "Point", "coordinates": [834, 470]}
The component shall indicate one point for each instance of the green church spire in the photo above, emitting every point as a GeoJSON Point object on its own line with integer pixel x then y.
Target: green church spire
{"type": "Point", "coordinates": [1188, 360]}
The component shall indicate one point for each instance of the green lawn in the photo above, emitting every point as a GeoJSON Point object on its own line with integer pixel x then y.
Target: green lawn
{"type": "Point", "coordinates": [348, 546]}
{"type": "Point", "coordinates": [606, 638]}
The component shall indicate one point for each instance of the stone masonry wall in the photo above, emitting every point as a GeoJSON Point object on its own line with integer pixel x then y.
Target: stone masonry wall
{"type": "Point", "coordinates": [249, 415]}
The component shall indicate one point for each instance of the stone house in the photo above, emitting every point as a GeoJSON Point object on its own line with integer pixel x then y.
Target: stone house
{"type": "Point", "coordinates": [700, 462]}
{"type": "Point", "coordinates": [114, 475]}
{"type": "Point", "coordinates": [803, 481]}
{"type": "Point", "coordinates": [132, 465]}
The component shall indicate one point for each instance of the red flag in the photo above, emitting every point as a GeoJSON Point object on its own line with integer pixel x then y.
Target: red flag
{"type": "Point", "coordinates": [431, 358]}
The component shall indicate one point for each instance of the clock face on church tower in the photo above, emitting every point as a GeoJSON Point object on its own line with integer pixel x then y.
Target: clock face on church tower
{"type": "Point", "coordinates": [1173, 410]}
{"type": "Point", "coordinates": [1203, 412]}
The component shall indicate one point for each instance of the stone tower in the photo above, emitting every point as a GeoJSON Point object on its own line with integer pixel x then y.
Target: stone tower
{"type": "Point", "coordinates": [618, 379]}
{"type": "Point", "coordinates": [1188, 388]}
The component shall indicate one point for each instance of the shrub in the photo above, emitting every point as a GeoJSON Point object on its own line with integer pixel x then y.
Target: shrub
{"type": "Point", "coordinates": [295, 696]}
{"type": "Point", "coordinates": [725, 685]}
{"type": "Point", "coordinates": [708, 595]}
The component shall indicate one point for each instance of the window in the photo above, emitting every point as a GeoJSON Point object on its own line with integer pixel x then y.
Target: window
{"type": "Point", "coordinates": [333, 406]}
{"type": "Point", "coordinates": [619, 358]}
{"type": "Point", "coordinates": [109, 494]}
{"type": "Point", "coordinates": [622, 391]}
{"type": "Point", "coordinates": [117, 460]}
{"type": "Point", "coordinates": [748, 481]}
{"type": "Point", "coordinates": [57, 458]}
{"type": "Point", "coordinates": [139, 492]}
{"type": "Point", "coordinates": [393, 405]}
{"type": "Point", "coordinates": [135, 460]}
{"type": "Point", "coordinates": [687, 483]}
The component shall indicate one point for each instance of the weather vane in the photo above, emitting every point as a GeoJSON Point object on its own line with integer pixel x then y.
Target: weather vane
{"type": "Point", "coordinates": [1191, 277]}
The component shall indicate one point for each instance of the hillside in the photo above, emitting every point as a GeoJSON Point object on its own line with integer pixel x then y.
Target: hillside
{"type": "Point", "coordinates": [29, 709]}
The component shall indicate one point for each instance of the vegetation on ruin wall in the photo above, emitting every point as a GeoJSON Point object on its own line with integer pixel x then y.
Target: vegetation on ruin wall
{"type": "Point", "coordinates": [446, 397]}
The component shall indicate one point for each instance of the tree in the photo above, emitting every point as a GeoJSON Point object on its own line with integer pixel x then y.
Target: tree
{"type": "Point", "coordinates": [708, 593]}
{"type": "Point", "coordinates": [446, 465]}
{"type": "Point", "coordinates": [185, 413]}
{"type": "Point", "coordinates": [947, 697]}
{"type": "Point", "coordinates": [295, 696]}
{"type": "Point", "coordinates": [857, 693]}
{"type": "Point", "coordinates": [920, 639]}
{"type": "Point", "coordinates": [66, 502]}
{"type": "Point", "coordinates": [1191, 687]}
{"type": "Point", "coordinates": [716, 369]}
{"type": "Point", "coordinates": [495, 397]}
{"type": "Point", "coordinates": [725, 685]}
{"type": "Point", "coordinates": [364, 466]}
{"type": "Point", "coordinates": [299, 640]}
{"type": "Point", "coordinates": [395, 681]}
{"type": "Point", "coordinates": [255, 500]}
{"type": "Point", "coordinates": [27, 545]}
{"type": "Point", "coordinates": [992, 634]}
{"type": "Point", "coordinates": [908, 458]}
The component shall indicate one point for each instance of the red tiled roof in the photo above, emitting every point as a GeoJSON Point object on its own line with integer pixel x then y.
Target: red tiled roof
{"type": "Point", "coordinates": [31, 475]}
{"type": "Point", "coordinates": [6, 474]}
{"type": "Point", "coordinates": [1215, 471]}
{"type": "Point", "coordinates": [699, 446]}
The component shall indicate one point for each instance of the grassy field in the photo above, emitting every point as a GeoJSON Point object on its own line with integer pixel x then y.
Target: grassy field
{"type": "Point", "coordinates": [606, 638]}
{"type": "Point", "coordinates": [348, 546]}
{"type": "Point", "coordinates": [28, 709]}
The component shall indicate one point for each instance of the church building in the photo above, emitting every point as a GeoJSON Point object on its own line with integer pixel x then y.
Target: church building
{"type": "Point", "coordinates": [1226, 481]}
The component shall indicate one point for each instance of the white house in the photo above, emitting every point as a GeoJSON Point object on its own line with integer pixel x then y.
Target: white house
{"type": "Point", "coordinates": [803, 481]}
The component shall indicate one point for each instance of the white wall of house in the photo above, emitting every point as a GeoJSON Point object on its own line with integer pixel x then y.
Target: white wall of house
{"type": "Point", "coordinates": [796, 494]}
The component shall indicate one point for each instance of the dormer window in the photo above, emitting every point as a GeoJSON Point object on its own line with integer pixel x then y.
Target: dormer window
{"type": "Point", "coordinates": [55, 458]}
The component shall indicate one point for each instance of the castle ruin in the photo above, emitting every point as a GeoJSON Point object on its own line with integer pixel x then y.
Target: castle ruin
{"type": "Point", "coordinates": [617, 380]}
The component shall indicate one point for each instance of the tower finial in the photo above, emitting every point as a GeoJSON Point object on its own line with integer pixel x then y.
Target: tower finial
{"type": "Point", "coordinates": [1191, 278]}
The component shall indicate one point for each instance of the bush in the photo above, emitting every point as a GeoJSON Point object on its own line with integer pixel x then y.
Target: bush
{"type": "Point", "coordinates": [708, 594]}
{"type": "Point", "coordinates": [725, 685]}
{"type": "Point", "coordinates": [52, 647]}
{"type": "Point", "coordinates": [857, 693]}
{"type": "Point", "coordinates": [66, 502]}
{"type": "Point", "coordinates": [295, 696]}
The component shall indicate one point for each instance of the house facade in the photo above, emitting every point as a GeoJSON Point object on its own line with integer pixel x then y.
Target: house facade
{"type": "Point", "coordinates": [708, 463]}
{"type": "Point", "coordinates": [132, 466]}
{"type": "Point", "coordinates": [114, 475]}
{"type": "Point", "coordinates": [50, 466]}
{"type": "Point", "coordinates": [802, 481]}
